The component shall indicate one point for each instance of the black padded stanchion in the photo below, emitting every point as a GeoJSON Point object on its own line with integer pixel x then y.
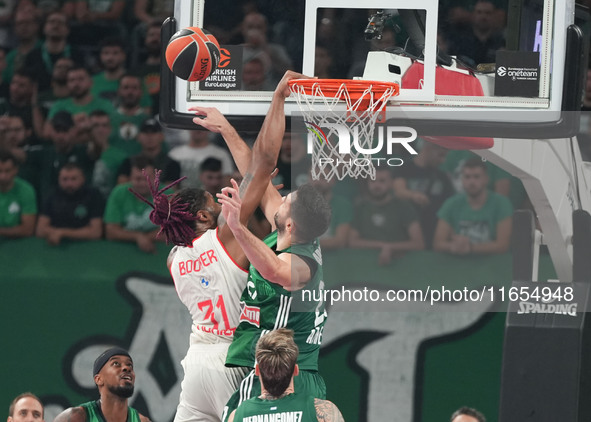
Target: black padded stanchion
{"type": "Point", "coordinates": [581, 246]}
{"type": "Point", "coordinates": [522, 245]}
{"type": "Point", "coordinates": [546, 356]}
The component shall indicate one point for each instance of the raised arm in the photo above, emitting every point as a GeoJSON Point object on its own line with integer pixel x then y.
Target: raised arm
{"type": "Point", "coordinates": [211, 119]}
{"type": "Point", "coordinates": [267, 145]}
{"type": "Point", "coordinates": [215, 121]}
{"type": "Point", "coordinates": [286, 269]}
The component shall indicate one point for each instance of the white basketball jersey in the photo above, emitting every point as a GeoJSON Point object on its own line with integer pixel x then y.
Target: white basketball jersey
{"type": "Point", "coordinates": [209, 283]}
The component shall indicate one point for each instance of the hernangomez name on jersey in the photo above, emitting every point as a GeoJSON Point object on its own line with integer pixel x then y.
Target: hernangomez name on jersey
{"type": "Point", "coordinates": [268, 306]}
{"type": "Point", "coordinates": [293, 407]}
{"type": "Point", "coordinates": [209, 283]}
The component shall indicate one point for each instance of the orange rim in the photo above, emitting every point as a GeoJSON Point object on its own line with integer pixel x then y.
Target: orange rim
{"type": "Point", "coordinates": [355, 87]}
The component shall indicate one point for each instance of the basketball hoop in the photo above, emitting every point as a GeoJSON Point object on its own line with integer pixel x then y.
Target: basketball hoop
{"type": "Point", "coordinates": [354, 104]}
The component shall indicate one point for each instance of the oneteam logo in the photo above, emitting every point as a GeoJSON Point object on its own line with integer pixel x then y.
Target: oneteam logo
{"type": "Point", "coordinates": [516, 73]}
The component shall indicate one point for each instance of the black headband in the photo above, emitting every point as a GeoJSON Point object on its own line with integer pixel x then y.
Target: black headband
{"type": "Point", "coordinates": [105, 356]}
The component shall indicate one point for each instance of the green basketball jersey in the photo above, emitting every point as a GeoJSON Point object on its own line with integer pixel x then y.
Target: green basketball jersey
{"type": "Point", "coordinates": [293, 407]}
{"type": "Point", "coordinates": [94, 413]}
{"type": "Point", "coordinates": [267, 306]}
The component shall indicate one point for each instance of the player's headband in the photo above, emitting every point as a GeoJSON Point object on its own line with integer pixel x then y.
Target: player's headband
{"type": "Point", "coordinates": [105, 356]}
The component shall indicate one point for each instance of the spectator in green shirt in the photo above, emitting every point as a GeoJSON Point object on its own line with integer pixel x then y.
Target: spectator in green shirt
{"type": "Point", "coordinates": [109, 158]}
{"type": "Point", "coordinates": [127, 219]}
{"type": "Point", "coordinates": [112, 58]}
{"type": "Point", "coordinates": [129, 114]}
{"type": "Point", "coordinates": [18, 203]}
{"type": "Point", "coordinates": [81, 102]}
{"type": "Point", "coordinates": [477, 221]}
{"type": "Point", "coordinates": [499, 181]}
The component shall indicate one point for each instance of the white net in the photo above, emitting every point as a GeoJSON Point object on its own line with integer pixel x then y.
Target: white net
{"type": "Point", "coordinates": [341, 117]}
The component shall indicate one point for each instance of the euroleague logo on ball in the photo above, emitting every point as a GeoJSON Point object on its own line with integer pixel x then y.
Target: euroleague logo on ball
{"type": "Point", "coordinates": [193, 54]}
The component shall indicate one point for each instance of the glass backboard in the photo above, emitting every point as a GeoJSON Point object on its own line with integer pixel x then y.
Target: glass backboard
{"type": "Point", "coordinates": [511, 68]}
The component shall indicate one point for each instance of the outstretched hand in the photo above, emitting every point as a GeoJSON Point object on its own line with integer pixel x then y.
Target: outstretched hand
{"type": "Point", "coordinates": [283, 85]}
{"type": "Point", "coordinates": [231, 205]}
{"type": "Point", "coordinates": [210, 118]}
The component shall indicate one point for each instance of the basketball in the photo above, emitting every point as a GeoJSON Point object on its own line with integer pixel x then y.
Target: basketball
{"type": "Point", "coordinates": [192, 54]}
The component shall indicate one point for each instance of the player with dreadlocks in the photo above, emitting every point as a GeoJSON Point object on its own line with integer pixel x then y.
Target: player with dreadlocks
{"type": "Point", "coordinates": [208, 265]}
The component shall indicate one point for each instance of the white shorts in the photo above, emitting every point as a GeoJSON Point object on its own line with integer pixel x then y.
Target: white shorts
{"type": "Point", "coordinates": [207, 384]}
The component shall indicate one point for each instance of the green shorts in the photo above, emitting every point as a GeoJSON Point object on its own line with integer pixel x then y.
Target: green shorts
{"type": "Point", "coordinates": [308, 382]}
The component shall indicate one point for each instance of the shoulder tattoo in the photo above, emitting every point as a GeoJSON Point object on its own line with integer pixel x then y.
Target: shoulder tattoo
{"type": "Point", "coordinates": [73, 414]}
{"type": "Point", "coordinates": [326, 411]}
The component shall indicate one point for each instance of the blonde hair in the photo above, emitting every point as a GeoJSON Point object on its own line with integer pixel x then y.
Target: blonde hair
{"type": "Point", "coordinates": [276, 355]}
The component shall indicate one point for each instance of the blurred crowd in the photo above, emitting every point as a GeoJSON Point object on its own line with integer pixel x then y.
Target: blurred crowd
{"type": "Point", "coordinates": [445, 200]}
{"type": "Point", "coordinates": [79, 100]}
{"type": "Point", "coordinates": [449, 201]}
{"type": "Point", "coordinates": [79, 95]}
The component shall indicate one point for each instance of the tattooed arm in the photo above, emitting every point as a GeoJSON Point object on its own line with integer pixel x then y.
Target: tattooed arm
{"type": "Point", "coordinates": [256, 187]}
{"type": "Point", "coordinates": [266, 147]}
{"type": "Point", "coordinates": [326, 411]}
{"type": "Point", "coordinates": [73, 414]}
{"type": "Point", "coordinates": [265, 151]}
{"type": "Point", "coordinates": [270, 136]}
